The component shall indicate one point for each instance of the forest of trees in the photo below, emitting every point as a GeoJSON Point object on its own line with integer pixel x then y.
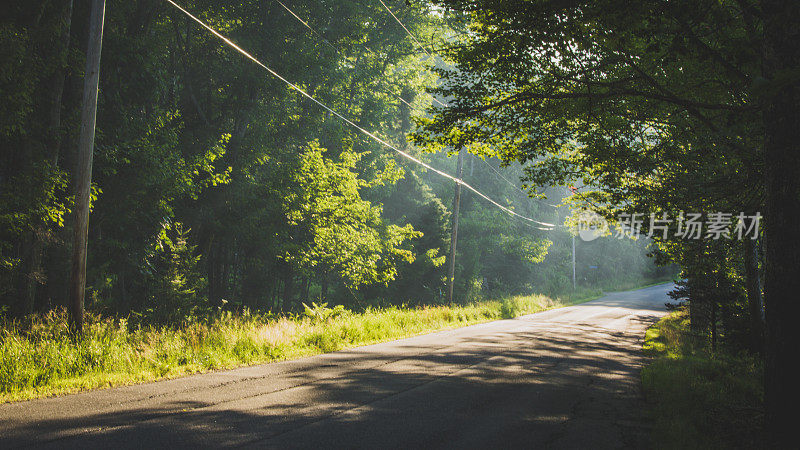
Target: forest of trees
{"type": "Point", "coordinates": [216, 186]}
{"type": "Point", "coordinates": [656, 107]}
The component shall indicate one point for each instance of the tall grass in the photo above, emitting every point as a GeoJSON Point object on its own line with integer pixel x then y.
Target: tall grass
{"type": "Point", "coordinates": [699, 399]}
{"type": "Point", "coordinates": [42, 358]}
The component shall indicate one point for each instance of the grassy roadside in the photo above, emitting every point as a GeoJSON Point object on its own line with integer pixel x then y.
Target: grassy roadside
{"type": "Point", "coordinates": [42, 360]}
{"type": "Point", "coordinates": [696, 399]}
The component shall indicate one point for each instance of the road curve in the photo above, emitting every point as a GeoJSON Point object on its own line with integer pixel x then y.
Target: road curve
{"type": "Point", "coordinates": [565, 378]}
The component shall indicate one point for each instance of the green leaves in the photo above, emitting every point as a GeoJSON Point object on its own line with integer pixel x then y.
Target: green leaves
{"type": "Point", "coordinates": [334, 229]}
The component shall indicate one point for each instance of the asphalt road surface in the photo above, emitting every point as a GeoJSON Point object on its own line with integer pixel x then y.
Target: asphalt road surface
{"type": "Point", "coordinates": [566, 378]}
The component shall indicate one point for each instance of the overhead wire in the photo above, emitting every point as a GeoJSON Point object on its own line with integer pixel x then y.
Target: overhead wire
{"type": "Point", "coordinates": [335, 47]}
{"type": "Point", "coordinates": [398, 97]}
{"type": "Point", "coordinates": [410, 34]}
{"type": "Point", "coordinates": [313, 31]}
{"type": "Point", "coordinates": [541, 225]}
{"type": "Point", "coordinates": [425, 50]}
{"type": "Point", "coordinates": [413, 38]}
{"type": "Point", "coordinates": [497, 172]}
{"type": "Point", "coordinates": [319, 35]}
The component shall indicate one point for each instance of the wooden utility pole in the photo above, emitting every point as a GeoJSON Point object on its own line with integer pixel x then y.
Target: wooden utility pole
{"type": "Point", "coordinates": [83, 180]}
{"type": "Point", "coordinates": [454, 236]}
{"type": "Point", "coordinates": [573, 191]}
{"type": "Point", "coordinates": [574, 284]}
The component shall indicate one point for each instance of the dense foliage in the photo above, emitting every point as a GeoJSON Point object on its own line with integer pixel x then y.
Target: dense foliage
{"type": "Point", "coordinates": [216, 186]}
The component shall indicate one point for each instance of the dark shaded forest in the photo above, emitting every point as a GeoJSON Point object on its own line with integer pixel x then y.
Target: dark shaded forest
{"type": "Point", "coordinates": [663, 108]}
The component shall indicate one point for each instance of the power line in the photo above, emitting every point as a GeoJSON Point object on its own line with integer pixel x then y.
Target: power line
{"type": "Point", "coordinates": [419, 44]}
{"type": "Point", "coordinates": [514, 185]}
{"type": "Point", "coordinates": [422, 47]}
{"type": "Point", "coordinates": [313, 31]}
{"type": "Point", "coordinates": [336, 48]}
{"type": "Point", "coordinates": [398, 97]}
{"type": "Point", "coordinates": [413, 38]}
{"type": "Point", "coordinates": [549, 226]}
{"type": "Point", "coordinates": [498, 173]}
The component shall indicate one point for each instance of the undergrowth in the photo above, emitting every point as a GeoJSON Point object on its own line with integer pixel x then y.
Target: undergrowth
{"type": "Point", "coordinates": [41, 358]}
{"type": "Point", "coordinates": [699, 399]}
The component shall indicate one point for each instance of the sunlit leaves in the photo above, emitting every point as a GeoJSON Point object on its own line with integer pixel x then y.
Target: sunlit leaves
{"type": "Point", "coordinates": [336, 229]}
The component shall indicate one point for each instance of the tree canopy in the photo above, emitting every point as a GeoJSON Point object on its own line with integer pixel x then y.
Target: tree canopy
{"type": "Point", "coordinates": [650, 107]}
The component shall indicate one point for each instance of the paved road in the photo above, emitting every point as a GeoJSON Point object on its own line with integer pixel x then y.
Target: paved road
{"type": "Point", "coordinates": [566, 378]}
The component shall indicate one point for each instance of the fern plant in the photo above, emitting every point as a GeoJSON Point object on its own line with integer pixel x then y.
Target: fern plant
{"type": "Point", "coordinates": [321, 313]}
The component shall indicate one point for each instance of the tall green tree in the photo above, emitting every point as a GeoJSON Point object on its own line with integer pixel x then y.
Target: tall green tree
{"type": "Point", "coordinates": [661, 106]}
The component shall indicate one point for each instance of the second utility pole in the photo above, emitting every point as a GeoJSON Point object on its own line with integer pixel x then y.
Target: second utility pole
{"type": "Point", "coordinates": [454, 236]}
{"type": "Point", "coordinates": [574, 285]}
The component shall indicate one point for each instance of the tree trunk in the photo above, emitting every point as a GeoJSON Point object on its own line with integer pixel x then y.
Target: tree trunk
{"type": "Point", "coordinates": [324, 288]}
{"type": "Point", "coordinates": [288, 287]}
{"type": "Point", "coordinates": [714, 327]}
{"type": "Point", "coordinates": [217, 269]}
{"type": "Point", "coordinates": [224, 273]}
{"type": "Point", "coordinates": [754, 304]}
{"type": "Point", "coordinates": [33, 275]}
{"type": "Point", "coordinates": [212, 271]}
{"type": "Point", "coordinates": [782, 262]}
{"type": "Point", "coordinates": [694, 309]}
{"type": "Point", "coordinates": [25, 285]}
{"type": "Point", "coordinates": [57, 84]}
